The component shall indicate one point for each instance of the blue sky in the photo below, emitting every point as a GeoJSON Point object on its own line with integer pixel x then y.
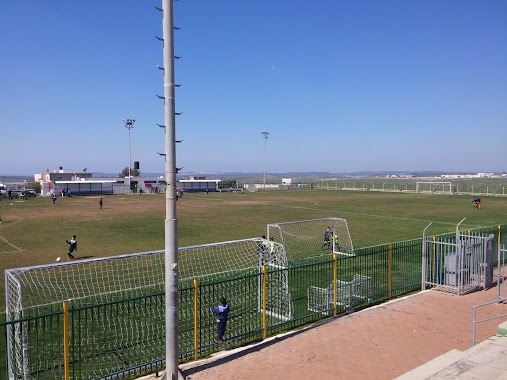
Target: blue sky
{"type": "Point", "coordinates": [341, 86]}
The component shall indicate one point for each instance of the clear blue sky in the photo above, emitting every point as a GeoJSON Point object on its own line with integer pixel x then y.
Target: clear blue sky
{"type": "Point", "coordinates": [341, 86]}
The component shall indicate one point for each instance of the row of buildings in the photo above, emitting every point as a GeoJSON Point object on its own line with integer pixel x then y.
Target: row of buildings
{"type": "Point", "coordinates": [68, 182]}
{"type": "Point", "coordinates": [83, 183]}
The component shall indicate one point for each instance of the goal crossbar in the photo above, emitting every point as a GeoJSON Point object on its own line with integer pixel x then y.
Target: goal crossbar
{"type": "Point", "coordinates": [443, 187]}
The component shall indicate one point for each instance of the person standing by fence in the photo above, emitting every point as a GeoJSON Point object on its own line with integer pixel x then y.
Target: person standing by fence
{"type": "Point", "coordinates": [222, 313]}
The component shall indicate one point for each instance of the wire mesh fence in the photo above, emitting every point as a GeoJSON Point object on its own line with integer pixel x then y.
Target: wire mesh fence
{"type": "Point", "coordinates": [125, 337]}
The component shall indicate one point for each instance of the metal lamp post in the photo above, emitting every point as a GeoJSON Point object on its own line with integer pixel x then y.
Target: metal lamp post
{"type": "Point", "coordinates": [265, 137]}
{"type": "Point", "coordinates": [129, 124]}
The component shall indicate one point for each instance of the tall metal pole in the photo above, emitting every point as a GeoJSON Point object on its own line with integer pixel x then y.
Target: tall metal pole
{"type": "Point", "coordinates": [171, 222]}
{"type": "Point", "coordinates": [129, 124]}
{"type": "Point", "coordinates": [265, 137]}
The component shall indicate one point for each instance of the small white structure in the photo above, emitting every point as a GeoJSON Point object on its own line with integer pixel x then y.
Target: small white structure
{"type": "Point", "coordinates": [197, 185]}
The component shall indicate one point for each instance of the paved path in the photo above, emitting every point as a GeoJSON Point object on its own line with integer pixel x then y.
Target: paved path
{"type": "Point", "coordinates": [382, 342]}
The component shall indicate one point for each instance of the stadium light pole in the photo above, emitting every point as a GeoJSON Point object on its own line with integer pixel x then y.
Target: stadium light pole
{"type": "Point", "coordinates": [129, 124]}
{"type": "Point", "coordinates": [171, 222]}
{"type": "Point", "coordinates": [265, 137]}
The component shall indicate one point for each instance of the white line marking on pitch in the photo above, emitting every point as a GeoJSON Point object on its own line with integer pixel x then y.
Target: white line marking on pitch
{"type": "Point", "coordinates": [17, 249]}
{"type": "Point", "coordinates": [372, 215]}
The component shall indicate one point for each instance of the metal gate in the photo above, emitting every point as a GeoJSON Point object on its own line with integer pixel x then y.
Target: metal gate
{"type": "Point", "coordinates": [460, 264]}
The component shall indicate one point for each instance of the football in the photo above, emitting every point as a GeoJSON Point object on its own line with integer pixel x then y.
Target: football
{"type": "Point", "coordinates": [58, 259]}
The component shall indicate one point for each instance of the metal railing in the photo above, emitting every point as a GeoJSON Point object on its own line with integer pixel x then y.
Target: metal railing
{"type": "Point", "coordinates": [500, 297]}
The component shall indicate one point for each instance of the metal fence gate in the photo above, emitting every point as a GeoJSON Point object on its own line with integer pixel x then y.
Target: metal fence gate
{"type": "Point", "coordinates": [459, 264]}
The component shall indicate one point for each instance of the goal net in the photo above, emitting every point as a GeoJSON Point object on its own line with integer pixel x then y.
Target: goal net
{"type": "Point", "coordinates": [433, 187]}
{"type": "Point", "coordinates": [231, 260]}
{"type": "Point", "coordinates": [119, 329]}
{"type": "Point", "coordinates": [308, 238]}
{"type": "Point", "coordinates": [34, 296]}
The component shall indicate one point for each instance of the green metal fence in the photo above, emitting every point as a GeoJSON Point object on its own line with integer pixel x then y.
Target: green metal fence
{"type": "Point", "coordinates": [101, 342]}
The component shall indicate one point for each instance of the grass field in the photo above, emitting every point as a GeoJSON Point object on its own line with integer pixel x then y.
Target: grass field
{"type": "Point", "coordinates": [33, 232]}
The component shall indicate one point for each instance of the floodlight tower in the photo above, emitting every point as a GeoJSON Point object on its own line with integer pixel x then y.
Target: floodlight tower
{"type": "Point", "coordinates": [265, 137]}
{"type": "Point", "coordinates": [129, 124]}
{"type": "Point", "coordinates": [171, 221]}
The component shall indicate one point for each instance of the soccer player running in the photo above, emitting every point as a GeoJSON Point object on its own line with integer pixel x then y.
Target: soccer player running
{"type": "Point", "coordinates": [72, 247]}
{"type": "Point", "coordinates": [222, 312]}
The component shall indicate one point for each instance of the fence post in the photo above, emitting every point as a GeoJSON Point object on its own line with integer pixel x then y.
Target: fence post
{"type": "Point", "coordinates": [389, 270]}
{"type": "Point", "coordinates": [196, 318]}
{"type": "Point", "coordinates": [499, 231]}
{"type": "Point", "coordinates": [264, 303]}
{"type": "Point", "coordinates": [335, 277]}
{"type": "Point", "coordinates": [66, 340]}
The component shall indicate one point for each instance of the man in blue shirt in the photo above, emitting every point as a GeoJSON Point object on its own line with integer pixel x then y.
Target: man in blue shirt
{"type": "Point", "coordinates": [222, 312]}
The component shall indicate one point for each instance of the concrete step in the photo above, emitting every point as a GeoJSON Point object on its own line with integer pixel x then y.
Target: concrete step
{"type": "Point", "coordinates": [433, 366]}
{"type": "Point", "coordinates": [485, 360]}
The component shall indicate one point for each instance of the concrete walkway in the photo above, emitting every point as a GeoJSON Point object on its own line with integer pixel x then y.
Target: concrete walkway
{"type": "Point", "coordinates": [424, 336]}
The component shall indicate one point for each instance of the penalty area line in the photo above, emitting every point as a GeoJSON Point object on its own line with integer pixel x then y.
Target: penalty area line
{"type": "Point", "coordinates": [370, 215]}
{"type": "Point", "coordinates": [17, 249]}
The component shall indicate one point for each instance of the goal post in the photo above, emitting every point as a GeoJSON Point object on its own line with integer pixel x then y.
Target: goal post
{"type": "Point", "coordinates": [218, 261]}
{"type": "Point", "coordinates": [306, 238]}
{"type": "Point", "coordinates": [433, 187]}
{"type": "Point", "coordinates": [130, 289]}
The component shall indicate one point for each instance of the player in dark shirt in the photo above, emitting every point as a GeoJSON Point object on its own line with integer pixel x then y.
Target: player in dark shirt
{"type": "Point", "coordinates": [72, 247]}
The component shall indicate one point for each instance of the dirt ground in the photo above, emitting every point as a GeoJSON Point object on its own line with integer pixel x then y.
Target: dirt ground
{"type": "Point", "coordinates": [378, 343]}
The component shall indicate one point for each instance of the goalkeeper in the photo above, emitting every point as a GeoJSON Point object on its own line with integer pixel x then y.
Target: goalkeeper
{"type": "Point", "coordinates": [72, 246]}
{"type": "Point", "coordinates": [222, 312]}
{"type": "Point", "coordinates": [327, 237]}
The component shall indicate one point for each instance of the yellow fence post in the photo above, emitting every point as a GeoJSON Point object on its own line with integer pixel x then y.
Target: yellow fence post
{"type": "Point", "coordinates": [499, 231]}
{"type": "Point", "coordinates": [335, 277]}
{"type": "Point", "coordinates": [66, 340]}
{"type": "Point", "coordinates": [264, 303]}
{"type": "Point", "coordinates": [389, 270]}
{"type": "Point", "coordinates": [196, 318]}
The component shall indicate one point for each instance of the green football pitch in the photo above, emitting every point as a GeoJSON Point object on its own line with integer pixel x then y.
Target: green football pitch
{"type": "Point", "coordinates": [33, 232]}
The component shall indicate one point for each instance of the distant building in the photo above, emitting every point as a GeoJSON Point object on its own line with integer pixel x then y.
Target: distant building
{"type": "Point", "coordinates": [199, 184]}
{"type": "Point", "coordinates": [48, 180]}
{"type": "Point", "coordinates": [83, 183]}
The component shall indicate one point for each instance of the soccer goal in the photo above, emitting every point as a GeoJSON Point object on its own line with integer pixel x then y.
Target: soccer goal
{"type": "Point", "coordinates": [348, 294]}
{"type": "Point", "coordinates": [117, 305]}
{"type": "Point", "coordinates": [35, 296]}
{"type": "Point", "coordinates": [231, 260]}
{"type": "Point", "coordinates": [433, 187]}
{"type": "Point", "coordinates": [306, 238]}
